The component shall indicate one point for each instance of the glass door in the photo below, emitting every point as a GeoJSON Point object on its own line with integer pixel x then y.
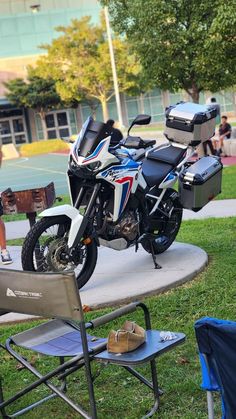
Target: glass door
{"type": "Point", "coordinates": [58, 124]}
{"type": "Point", "coordinates": [19, 130]}
{"type": "Point", "coordinates": [5, 132]}
{"type": "Point", "coordinates": [13, 130]}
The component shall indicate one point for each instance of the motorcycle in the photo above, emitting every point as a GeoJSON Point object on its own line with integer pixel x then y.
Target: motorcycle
{"type": "Point", "coordinates": [121, 196]}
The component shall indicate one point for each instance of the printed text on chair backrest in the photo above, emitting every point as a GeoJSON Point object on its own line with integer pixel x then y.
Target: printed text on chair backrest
{"type": "Point", "coordinates": [42, 294]}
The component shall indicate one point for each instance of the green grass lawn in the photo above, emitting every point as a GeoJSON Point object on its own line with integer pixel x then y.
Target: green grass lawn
{"type": "Point", "coordinates": [228, 183]}
{"type": "Point", "coordinates": [211, 293]}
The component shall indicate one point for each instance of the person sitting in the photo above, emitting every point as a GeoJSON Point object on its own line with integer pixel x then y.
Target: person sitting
{"type": "Point", "coordinates": [116, 135]}
{"type": "Point", "coordinates": [224, 134]}
{"type": "Point", "coordinates": [209, 144]}
{"type": "Point", "coordinates": [212, 104]}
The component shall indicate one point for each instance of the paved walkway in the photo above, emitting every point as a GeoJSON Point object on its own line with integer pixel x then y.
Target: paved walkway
{"type": "Point", "coordinates": [118, 278]}
{"type": "Point", "coordinates": [215, 209]}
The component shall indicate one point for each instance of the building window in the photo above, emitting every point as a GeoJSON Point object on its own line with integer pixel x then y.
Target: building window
{"type": "Point", "coordinates": [132, 108]}
{"type": "Point", "coordinates": [59, 124]}
{"type": "Point", "coordinates": [149, 103]}
{"type": "Point", "coordinates": [13, 129]}
{"type": "Point", "coordinates": [153, 105]}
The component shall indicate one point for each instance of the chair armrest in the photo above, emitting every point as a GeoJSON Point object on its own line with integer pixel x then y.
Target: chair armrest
{"type": "Point", "coordinates": [106, 318]}
{"type": "Point", "coordinates": [129, 308]}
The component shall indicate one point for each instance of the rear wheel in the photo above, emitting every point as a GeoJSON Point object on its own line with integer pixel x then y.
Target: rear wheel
{"type": "Point", "coordinates": [45, 250]}
{"type": "Point", "coordinates": [168, 228]}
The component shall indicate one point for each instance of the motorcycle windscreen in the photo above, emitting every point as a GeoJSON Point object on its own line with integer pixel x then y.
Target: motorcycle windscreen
{"type": "Point", "coordinates": [91, 134]}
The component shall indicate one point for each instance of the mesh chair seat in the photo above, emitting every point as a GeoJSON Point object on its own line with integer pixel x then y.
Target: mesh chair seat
{"type": "Point", "coordinates": [57, 338]}
{"type": "Point", "coordinates": [150, 349]}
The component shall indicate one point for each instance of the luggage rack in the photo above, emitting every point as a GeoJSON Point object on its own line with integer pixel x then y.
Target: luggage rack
{"type": "Point", "coordinates": [28, 201]}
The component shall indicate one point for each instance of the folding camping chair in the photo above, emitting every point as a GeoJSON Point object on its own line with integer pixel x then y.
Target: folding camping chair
{"type": "Point", "coordinates": [55, 295]}
{"type": "Point", "coordinates": [217, 349]}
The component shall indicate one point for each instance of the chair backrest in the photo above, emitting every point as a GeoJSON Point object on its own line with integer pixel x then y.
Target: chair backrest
{"type": "Point", "coordinates": [216, 339]}
{"type": "Point", "coordinates": [41, 294]}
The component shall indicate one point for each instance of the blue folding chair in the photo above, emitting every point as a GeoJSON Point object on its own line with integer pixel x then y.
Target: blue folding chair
{"type": "Point", "coordinates": [217, 349]}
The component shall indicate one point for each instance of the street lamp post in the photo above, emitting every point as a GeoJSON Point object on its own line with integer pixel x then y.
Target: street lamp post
{"type": "Point", "coordinates": [113, 66]}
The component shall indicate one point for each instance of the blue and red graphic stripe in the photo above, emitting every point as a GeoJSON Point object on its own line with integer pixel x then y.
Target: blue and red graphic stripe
{"type": "Point", "coordinates": [96, 152]}
{"type": "Point", "coordinates": [127, 185]}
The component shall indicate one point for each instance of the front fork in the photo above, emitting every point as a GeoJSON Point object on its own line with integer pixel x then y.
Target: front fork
{"type": "Point", "coordinates": [87, 217]}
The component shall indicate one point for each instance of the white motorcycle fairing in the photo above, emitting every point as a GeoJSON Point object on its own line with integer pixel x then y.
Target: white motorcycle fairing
{"type": "Point", "coordinates": [101, 155]}
{"type": "Point", "coordinates": [125, 179]}
{"type": "Point", "coordinates": [70, 212]}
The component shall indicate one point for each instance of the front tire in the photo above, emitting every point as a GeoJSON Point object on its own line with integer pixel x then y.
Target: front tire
{"type": "Point", "coordinates": [45, 250]}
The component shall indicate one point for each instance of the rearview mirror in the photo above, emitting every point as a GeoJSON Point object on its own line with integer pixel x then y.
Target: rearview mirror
{"type": "Point", "coordinates": [140, 120]}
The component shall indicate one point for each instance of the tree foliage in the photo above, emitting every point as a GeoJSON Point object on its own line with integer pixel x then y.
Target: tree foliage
{"type": "Point", "coordinates": [36, 93]}
{"type": "Point", "coordinates": [79, 62]}
{"type": "Point", "coordinates": [182, 44]}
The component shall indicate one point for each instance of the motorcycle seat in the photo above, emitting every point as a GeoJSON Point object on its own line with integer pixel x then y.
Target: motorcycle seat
{"type": "Point", "coordinates": [154, 172]}
{"type": "Point", "coordinates": [169, 154]}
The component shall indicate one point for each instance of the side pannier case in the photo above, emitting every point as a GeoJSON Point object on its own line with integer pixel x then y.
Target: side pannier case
{"type": "Point", "coordinates": [200, 183]}
{"type": "Point", "coordinates": [189, 123]}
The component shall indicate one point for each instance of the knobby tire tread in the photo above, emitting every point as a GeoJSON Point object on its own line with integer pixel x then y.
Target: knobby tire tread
{"type": "Point", "coordinates": [34, 234]}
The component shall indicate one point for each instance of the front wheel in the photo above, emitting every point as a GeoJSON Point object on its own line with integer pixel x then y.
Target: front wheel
{"type": "Point", "coordinates": [167, 229]}
{"type": "Point", "coordinates": [45, 250]}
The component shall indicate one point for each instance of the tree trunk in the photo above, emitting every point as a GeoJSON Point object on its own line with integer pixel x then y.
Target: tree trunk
{"type": "Point", "coordinates": [44, 126]}
{"type": "Point", "coordinates": [105, 109]}
{"type": "Point", "coordinates": [194, 93]}
{"type": "Point", "coordinates": [195, 96]}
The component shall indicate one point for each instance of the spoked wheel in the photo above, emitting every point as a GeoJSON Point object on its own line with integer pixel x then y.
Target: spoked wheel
{"type": "Point", "coordinates": [45, 250]}
{"type": "Point", "coordinates": [168, 228]}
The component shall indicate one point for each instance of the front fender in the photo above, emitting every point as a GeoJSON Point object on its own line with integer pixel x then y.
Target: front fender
{"type": "Point", "coordinates": [70, 212]}
{"type": "Point", "coordinates": [67, 210]}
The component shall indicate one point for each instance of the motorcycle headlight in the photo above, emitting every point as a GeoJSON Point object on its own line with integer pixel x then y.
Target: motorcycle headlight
{"type": "Point", "coordinates": [93, 166]}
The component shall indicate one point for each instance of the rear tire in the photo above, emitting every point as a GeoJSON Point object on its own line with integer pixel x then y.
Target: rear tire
{"type": "Point", "coordinates": [168, 231]}
{"type": "Point", "coordinates": [40, 238]}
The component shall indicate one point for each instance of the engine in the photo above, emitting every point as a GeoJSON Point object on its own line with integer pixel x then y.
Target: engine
{"type": "Point", "coordinates": [127, 227]}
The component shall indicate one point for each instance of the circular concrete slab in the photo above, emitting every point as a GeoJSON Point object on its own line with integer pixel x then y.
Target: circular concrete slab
{"type": "Point", "coordinates": [125, 276]}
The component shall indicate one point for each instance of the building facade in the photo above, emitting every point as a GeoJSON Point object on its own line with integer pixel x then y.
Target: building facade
{"type": "Point", "coordinates": [24, 26]}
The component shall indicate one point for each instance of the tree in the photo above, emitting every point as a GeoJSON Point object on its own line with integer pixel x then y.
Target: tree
{"type": "Point", "coordinates": [79, 62]}
{"type": "Point", "coordinates": [37, 93]}
{"type": "Point", "coordinates": [182, 44]}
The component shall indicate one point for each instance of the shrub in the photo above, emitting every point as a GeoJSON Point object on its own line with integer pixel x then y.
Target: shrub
{"type": "Point", "coordinates": [43, 147]}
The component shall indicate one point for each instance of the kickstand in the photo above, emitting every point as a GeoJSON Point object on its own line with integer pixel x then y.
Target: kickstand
{"type": "Point", "coordinates": [157, 266]}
